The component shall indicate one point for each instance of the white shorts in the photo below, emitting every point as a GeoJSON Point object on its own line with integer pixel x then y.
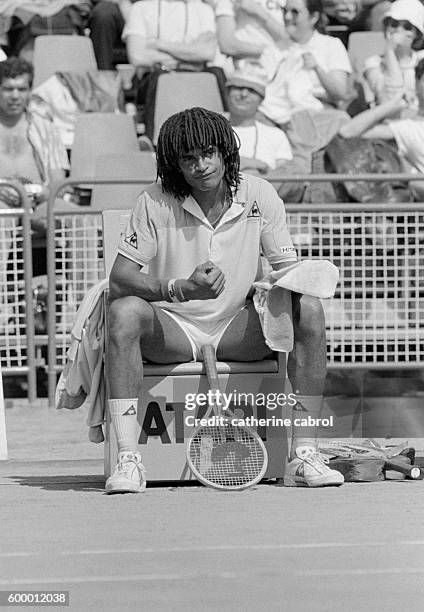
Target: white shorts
{"type": "Point", "coordinates": [209, 334]}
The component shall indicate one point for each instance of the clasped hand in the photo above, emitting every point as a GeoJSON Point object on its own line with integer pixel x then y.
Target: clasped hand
{"type": "Point", "coordinates": [206, 282]}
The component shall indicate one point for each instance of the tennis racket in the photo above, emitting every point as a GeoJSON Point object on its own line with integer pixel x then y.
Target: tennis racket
{"type": "Point", "coordinates": [370, 449]}
{"type": "Point", "coordinates": [224, 455]}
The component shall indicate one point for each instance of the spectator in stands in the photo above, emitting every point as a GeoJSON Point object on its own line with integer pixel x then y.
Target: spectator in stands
{"type": "Point", "coordinates": [264, 149]}
{"type": "Point", "coordinates": [168, 32]}
{"type": "Point", "coordinates": [251, 29]}
{"type": "Point", "coordinates": [106, 23]}
{"type": "Point", "coordinates": [31, 150]}
{"type": "Point", "coordinates": [24, 21]}
{"type": "Point", "coordinates": [408, 133]}
{"type": "Point", "coordinates": [354, 16]}
{"type": "Point", "coordinates": [314, 71]}
{"type": "Point", "coordinates": [392, 73]}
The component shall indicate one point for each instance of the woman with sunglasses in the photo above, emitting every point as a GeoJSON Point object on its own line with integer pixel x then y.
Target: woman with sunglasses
{"type": "Point", "coordinates": [393, 73]}
{"type": "Point", "coordinates": [313, 73]}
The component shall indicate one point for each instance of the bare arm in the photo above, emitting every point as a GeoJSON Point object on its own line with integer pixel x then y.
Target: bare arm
{"type": "Point", "coordinates": [365, 124]}
{"type": "Point", "coordinates": [335, 82]}
{"type": "Point", "coordinates": [56, 176]}
{"type": "Point", "coordinates": [144, 52]}
{"type": "Point", "coordinates": [393, 69]}
{"type": "Point", "coordinates": [280, 266]}
{"type": "Point", "coordinates": [375, 79]}
{"type": "Point", "coordinates": [273, 27]}
{"type": "Point", "coordinates": [202, 49]}
{"type": "Point", "coordinates": [228, 42]}
{"type": "Point", "coordinates": [126, 278]}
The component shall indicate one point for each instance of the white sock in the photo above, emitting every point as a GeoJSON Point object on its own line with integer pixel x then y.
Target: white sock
{"type": "Point", "coordinates": [307, 405]}
{"type": "Point", "coordinates": [123, 414]}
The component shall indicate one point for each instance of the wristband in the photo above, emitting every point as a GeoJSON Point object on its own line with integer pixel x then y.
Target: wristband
{"type": "Point", "coordinates": [172, 295]}
{"type": "Point", "coordinates": [164, 290]}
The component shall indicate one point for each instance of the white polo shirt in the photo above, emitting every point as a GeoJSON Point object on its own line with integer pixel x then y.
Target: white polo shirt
{"type": "Point", "coordinates": [170, 20]}
{"type": "Point", "coordinates": [264, 142]}
{"type": "Point", "coordinates": [172, 237]}
{"type": "Point", "coordinates": [294, 87]}
{"type": "Point", "coordinates": [251, 29]}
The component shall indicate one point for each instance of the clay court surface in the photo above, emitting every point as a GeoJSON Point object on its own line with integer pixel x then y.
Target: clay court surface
{"type": "Point", "coordinates": [356, 548]}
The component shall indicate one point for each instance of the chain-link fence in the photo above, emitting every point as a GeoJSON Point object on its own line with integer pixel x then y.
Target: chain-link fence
{"type": "Point", "coordinates": [375, 319]}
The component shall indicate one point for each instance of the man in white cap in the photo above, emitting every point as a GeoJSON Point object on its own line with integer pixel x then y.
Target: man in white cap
{"type": "Point", "coordinates": [393, 72]}
{"type": "Point", "coordinates": [264, 149]}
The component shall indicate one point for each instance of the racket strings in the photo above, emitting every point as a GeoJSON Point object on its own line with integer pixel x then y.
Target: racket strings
{"type": "Point", "coordinates": [226, 456]}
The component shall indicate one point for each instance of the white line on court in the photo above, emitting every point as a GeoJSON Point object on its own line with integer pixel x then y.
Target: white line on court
{"type": "Point", "coordinates": [217, 548]}
{"type": "Point", "coordinates": [360, 571]}
{"type": "Point", "coordinates": [64, 580]}
{"type": "Point", "coordinates": [130, 578]}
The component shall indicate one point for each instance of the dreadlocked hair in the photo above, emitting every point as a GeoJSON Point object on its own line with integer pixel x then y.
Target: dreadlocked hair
{"type": "Point", "coordinates": [195, 128]}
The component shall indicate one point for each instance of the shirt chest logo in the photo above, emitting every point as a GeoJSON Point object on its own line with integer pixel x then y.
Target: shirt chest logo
{"type": "Point", "coordinates": [132, 240]}
{"type": "Point", "coordinates": [254, 211]}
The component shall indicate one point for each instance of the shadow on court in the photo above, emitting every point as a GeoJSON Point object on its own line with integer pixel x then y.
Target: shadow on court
{"type": "Point", "coordinates": [357, 548]}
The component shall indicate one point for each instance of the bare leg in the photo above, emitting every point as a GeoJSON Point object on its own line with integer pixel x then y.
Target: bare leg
{"type": "Point", "coordinates": [306, 365]}
{"type": "Point", "coordinates": [243, 339]}
{"type": "Point", "coordinates": [136, 327]}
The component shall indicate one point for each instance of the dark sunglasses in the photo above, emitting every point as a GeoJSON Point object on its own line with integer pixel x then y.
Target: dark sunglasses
{"type": "Point", "coordinates": [394, 23]}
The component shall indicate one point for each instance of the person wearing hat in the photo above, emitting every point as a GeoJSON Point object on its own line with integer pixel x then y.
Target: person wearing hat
{"type": "Point", "coordinates": [262, 147]}
{"type": "Point", "coordinates": [393, 72]}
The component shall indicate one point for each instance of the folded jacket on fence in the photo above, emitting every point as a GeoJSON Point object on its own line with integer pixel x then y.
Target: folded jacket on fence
{"type": "Point", "coordinates": [82, 379]}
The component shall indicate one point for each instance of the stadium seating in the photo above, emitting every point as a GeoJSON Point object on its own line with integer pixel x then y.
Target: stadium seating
{"type": "Point", "coordinates": [133, 165]}
{"type": "Point", "coordinates": [54, 53]}
{"type": "Point", "coordinates": [100, 134]}
{"type": "Point", "coordinates": [179, 90]}
{"type": "Point", "coordinates": [362, 45]}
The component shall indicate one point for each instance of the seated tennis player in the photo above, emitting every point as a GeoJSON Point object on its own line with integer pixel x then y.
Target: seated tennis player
{"type": "Point", "coordinates": [200, 230]}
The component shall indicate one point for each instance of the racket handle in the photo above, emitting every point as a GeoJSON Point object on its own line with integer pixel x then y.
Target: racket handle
{"type": "Point", "coordinates": [209, 361]}
{"type": "Point", "coordinates": [411, 471]}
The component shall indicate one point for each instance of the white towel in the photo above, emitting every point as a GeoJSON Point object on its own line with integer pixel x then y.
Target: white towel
{"type": "Point", "coordinates": [316, 277]}
{"type": "Point", "coordinates": [272, 297]}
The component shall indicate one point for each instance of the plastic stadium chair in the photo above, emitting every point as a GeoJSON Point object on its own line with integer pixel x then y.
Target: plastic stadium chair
{"type": "Point", "coordinates": [362, 45]}
{"type": "Point", "coordinates": [54, 53]}
{"type": "Point", "coordinates": [179, 90]}
{"type": "Point", "coordinates": [100, 134]}
{"type": "Point", "coordinates": [161, 407]}
{"type": "Point", "coordinates": [134, 165]}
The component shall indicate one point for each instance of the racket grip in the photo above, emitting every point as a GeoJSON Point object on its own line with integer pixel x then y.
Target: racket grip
{"type": "Point", "coordinates": [411, 471]}
{"type": "Point", "coordinates": [209, 362]}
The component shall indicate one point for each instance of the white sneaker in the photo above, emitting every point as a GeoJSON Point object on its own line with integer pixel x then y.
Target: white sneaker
{"type": "Point", "coordinates": [309, 469]}
{"type": "Point", "coordinates": [129, 475]}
